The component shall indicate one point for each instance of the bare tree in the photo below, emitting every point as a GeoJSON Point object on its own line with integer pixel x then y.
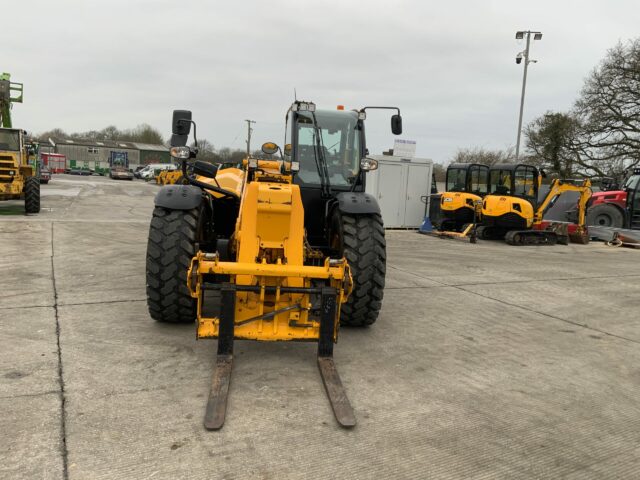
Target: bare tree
{"type": "Point", "coordinates": [143, 133]}
{"type": "Point", "coordinates": [439, 171]}
{"type": "Point", "coordinates": [484, 156]}
{"type": "Point", "coordinates": [55, 133]}
{"type": "Point", "coordinates": [609, 112]}
{"type": "Point", "coordinates": [108, 133]}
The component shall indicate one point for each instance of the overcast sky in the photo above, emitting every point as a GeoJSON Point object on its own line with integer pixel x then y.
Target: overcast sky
{"type": "Point", "coordinates": [449, 66]}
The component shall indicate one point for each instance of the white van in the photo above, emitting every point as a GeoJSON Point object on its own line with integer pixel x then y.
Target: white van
{"type": "Point", "coordinates": [151, 170]}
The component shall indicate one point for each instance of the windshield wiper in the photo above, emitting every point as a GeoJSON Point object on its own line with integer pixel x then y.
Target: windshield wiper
{"type": "Point", "coordinates": [321, 161]}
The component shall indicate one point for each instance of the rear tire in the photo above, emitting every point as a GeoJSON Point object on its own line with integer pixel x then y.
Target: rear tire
{"type": "Point", "coordinates": [32, 195]}
{"type": "Point", "coordinates": [360, 239]}
{"type": "Point", "coordinates": [171, 246]}
{"type": "Point", "coordinates": [605, 215]}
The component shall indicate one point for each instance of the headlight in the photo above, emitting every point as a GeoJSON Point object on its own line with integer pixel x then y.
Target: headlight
{"type": "Point", "coordinates": [181, 152]}
{"type": "Point", "coordinates": [368, 164]}
{"type": "Point", "coordinates": [303, 106]}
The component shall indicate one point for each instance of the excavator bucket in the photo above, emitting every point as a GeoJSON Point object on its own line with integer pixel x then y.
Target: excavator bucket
{"type": "Point", "coordinates": [580, 236]}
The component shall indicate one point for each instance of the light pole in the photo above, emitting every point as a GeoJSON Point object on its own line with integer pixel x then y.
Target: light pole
{"type": "Point", "coordinates": [524, 54]}
{"type": "Point", "coordinates": [249, 131]}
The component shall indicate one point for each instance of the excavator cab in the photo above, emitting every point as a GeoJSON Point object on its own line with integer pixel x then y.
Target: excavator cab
{"type": "Point", "coordinates": [512, 198]}
{"type": "Point", "coordinates": [466, 184]}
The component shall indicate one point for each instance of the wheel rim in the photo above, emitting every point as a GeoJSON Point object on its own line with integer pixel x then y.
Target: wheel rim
{"type": "Point", "coordinates": [604, 220]}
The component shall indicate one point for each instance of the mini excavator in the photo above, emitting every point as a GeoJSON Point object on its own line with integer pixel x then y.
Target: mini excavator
{"type": "Point", "coordinates": [511, 209]}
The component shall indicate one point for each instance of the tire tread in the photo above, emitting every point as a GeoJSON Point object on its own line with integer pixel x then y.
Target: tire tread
{"type": "Point", "coordinates": [365, 250]}
{"type": "Point", "coordinates": [170, 248]}
{"type": "Point", "coordinates": [32, 195]}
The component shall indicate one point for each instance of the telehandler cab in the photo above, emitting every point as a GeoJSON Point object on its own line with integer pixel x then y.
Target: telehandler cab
{"type": "Point", "coordinates": [277, 250]}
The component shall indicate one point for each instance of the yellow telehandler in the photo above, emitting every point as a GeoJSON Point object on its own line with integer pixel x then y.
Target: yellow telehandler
{"type": "Point", "coordinates": [277, 250]}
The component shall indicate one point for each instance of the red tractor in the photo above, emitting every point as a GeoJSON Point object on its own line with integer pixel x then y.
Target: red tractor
{"type": "Point", "coordinates": [610, 206]}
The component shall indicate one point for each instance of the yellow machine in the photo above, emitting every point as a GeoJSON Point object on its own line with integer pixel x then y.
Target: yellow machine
{"type": "Point", "coordinates": [169, 177]}
{"type": "Point", "coordinates": [461, 203]}
{"type": "Point", "coordinates": [466, 184]}
{"type": "Point", "coordinates": [511, 209]}
{"type": "Point", "coordinates": [235, 249]}
{"type": "Point", "coordinates": [18, 178]}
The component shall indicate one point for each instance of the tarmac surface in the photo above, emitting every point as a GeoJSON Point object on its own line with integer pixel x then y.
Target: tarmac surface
{"type": "Point", "coordinates": [487, 361]}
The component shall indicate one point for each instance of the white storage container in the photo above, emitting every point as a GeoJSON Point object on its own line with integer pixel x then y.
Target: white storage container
{"type": "Point", "coordinates": [400, 185]}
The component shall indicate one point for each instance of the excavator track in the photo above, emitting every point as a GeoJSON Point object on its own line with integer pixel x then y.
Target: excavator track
{"type": "Point", "coordinates": [531, 237]}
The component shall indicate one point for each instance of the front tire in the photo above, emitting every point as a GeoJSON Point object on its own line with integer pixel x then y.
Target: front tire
{"type": "Point", "coordinates": [32, 195]}
{"type": "Point", "coordinates": [605, 215]}
{"type": "Point", "coordinates": [360, 239]}
{"type": "Point", "coordinates": [170, 248]}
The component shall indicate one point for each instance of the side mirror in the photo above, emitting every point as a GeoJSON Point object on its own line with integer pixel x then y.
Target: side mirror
{"type": "Point", "coordinates": [205, 169]}
{"type": "Point", "coordinates": [396, 124]}
{"type": "Point", "coordinates": [287, 149]}
{"type": "Point", "coordinates": [270, 148]}
{"type": "Point", "coordinates": [180, 127]}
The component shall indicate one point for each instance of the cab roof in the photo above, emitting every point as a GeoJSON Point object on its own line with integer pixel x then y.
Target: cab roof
{"type": "Point", "coordinates": [511, 166]}
{"type": "Point", "coordinates": [466, 166]}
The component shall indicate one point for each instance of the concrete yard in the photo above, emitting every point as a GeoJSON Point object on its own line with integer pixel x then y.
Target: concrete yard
{"type": "Point", "coordinates": [488, 361]}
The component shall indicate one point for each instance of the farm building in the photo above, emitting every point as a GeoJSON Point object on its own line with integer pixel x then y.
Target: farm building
{"type": "Point", "coordinates": [101, 155]}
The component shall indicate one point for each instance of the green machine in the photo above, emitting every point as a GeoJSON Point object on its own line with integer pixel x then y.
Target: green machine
{"type": "Point", "coordinates": [10, 93]}
{"type": "Point", "coordinates": [18, 158]}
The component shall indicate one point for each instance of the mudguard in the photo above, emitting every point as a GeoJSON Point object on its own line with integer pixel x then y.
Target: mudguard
{"type": "Point", "coordinates": [357, 203]}
{"type": "Point", "coordinates": [179, 197]}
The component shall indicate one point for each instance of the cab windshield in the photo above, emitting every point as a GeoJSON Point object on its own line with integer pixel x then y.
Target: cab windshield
{"type": "Point", "coordinates": [631, 182]}
{"type": "Point", "coordinates": [456, 179]}
{"type": "Point", "coordinates": [525, 182]}
{"type": "Point", "coordinates": [500, 181]}
{"type": "Point", "coordinates": [337, 138]}
{"type": "Point", "coordinates": [478, 179]}
{"type": "Point", "coordinates": [10, 140]}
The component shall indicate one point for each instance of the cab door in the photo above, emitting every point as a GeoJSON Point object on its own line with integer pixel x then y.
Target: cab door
{"type": "Point", "coordinates": [633, 205]}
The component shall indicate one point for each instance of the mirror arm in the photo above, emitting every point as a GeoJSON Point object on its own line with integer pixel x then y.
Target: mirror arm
{"type": "Point", "coordinates": [195, 136]}
{"type": "Point", "coordinates": [382, 108]}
